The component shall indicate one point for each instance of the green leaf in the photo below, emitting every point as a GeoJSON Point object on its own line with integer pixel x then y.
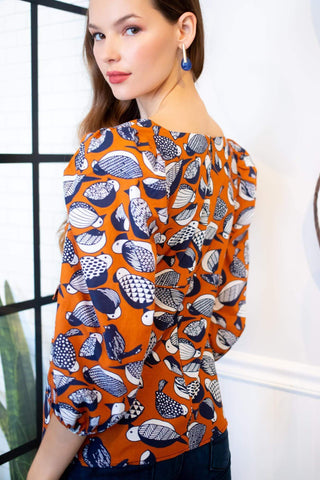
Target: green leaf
{"type": "Point", "coordinates": [19, 466]}
{"type": "Point", "coordinates": [26, 403]}
{"type": "Point", "coordinates": [8, 357]}
{"type": "Point", "coordinates": [20, 426]}
{"type": "Point", "coordinates": [4, 420]}
{"type": "Point", "coordinates": [19, 337]}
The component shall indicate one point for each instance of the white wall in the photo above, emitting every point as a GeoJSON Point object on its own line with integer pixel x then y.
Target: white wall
{"type": "Point", "coordinates": [262, 86]}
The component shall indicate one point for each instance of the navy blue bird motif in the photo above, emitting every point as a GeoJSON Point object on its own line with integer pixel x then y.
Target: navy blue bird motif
{"type": "Point", "coordinates": [83, 313]}
{"type": "Point", "coordinates": [197, 143]}
{"type": "Point", "coordinates": [195, 434]}
{"type": "Point", "coordinates": [102, 194]}
{"type": "Point", "coordinates": [138, 254]}
{"type": "Point", "coordinates": [155, 188]}
{"type": "Point", "coordinates": [91, 241]}
{"type": "Point", "coordinates": [173, 364]}
{"type": "Point", "coordinates": [71, 186]}
{"type": "Point", "coordinates": [95, 454]}
{"type": "Point", "coordinates": [167, 148]}
{"type": "Point", "coordinates": [63, 382]}
{"type": "Point", "coordinates": [91, 347]}
{"type": "Point", "coordinates": [116, 345]}
{"type": "Point", "coordinates": [104, 141]}
{"type": "Point", "coordinates": [137, 291]}
{"type": "Point", "coordinates": [206, 410]}
{"type": "Point", "coordinates": [108, 381]}
{"type": "Point", "coordinates": [69, 255]}
{"type": "Point", "coordinates": [166, 406]}
{"type": "Point", "coordinates": [119, 219]}
{"type": "Point", "coordinates": [84, 397]}
{"type": "Point", "coordinates": [139, 213]}
{"type": "Point", "coordinates": [196, 330]}
{"type": "Point", "coordinates": [196, 391]}
{"type": "Point", "coordinates": [77, 283]}
{"type": "Point", "coordinates": [126, 131]}
{"type": "Point", "coordinates": [63, 352]}
{"type": "Point", "coordinates": [181, 239]}
{"type": "Point", "coordinates": [117, 413]}
{"type": "Point", "coordinates": [120, 164]}
{"type": "Point", "coordinates": [95, 269]}
{"type": "Point", "coordinates": [173, 176]}
{"type": "Point", "coordinates": [193, 171]}
{"type": "Point", "coordinates": [155, 433]}
{"type": "Point", "coordinates": [133, 371]}
{"type": "Point", "coordinates": [66, 412]}
{"type": "Point", "coordinates": [144, 122]}
{"type": "Point", "coordinates": [106, 301]}
{"type": "Point", "coordinates": [81, 162]}
{"type": "Point", "coordinates": [164, 320]}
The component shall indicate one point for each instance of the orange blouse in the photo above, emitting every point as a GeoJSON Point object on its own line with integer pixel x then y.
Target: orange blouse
{"type": "Point", "coordinates": [152, 290]}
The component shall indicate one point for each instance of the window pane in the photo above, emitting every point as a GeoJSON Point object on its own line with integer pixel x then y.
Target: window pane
{"type": "Point", "coordinates": [52, 214]}
{"type": "Point", "coordinates": [4, 469]}
{"type": "Point", "coordinates": [17, 378]}
{"type": "Point", "coordinates": [17, 467]}
{"type": "Point", "coordinates": [64, 91]}
{"type": "Point", "coordinates": [15, 80]}
{"type": "Point", "coordinates": [16, 232]}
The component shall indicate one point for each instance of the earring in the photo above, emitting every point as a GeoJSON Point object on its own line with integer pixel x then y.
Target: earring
{"type": "Point", "coordinates": [185, 62]}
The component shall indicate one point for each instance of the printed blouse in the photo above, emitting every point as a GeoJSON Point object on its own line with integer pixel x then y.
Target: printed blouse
{"type": "Point", "coordinates": [152, 290]}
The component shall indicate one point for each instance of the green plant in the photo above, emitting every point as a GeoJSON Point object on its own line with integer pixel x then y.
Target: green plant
{"type": "Point", "coordinates": [18, 419]}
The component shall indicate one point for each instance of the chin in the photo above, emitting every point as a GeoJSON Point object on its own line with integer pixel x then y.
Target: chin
{"type": "Point", "coordinates": [121, 95]}
{"type": "Point", "coordinates": [123, 98]}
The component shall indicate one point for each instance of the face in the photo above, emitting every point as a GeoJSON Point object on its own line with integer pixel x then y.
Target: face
{"type": "Point", "coordinates": [135, 47]}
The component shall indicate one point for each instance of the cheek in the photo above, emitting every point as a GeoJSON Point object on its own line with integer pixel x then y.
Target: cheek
{"type": "Point", "coordinates": [97, 58]}
{"type": "Point", "coordinates": [153, 56]}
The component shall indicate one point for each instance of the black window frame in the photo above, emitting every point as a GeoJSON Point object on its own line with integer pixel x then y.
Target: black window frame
{"type": "Point", "coordinates": [35, 159]}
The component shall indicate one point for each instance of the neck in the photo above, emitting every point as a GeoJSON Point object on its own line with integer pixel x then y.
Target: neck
{"type": "Point", "coordinates": [177, 96]}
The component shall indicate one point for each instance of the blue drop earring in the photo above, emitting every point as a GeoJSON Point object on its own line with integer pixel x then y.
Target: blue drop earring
{"type": "Point", "coordinates": [185, 62]}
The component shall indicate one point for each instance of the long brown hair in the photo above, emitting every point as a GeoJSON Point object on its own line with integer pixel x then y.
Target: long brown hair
{"type": "Point", "coordinates": [108, 111]}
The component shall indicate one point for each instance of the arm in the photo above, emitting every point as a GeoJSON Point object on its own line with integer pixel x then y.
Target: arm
{"type": "Point", "coordinates": [105, 309]}
{"type": "Point", "coordinates": [229, 316]}
{"type": "Point", "coordinates": [56, 451]}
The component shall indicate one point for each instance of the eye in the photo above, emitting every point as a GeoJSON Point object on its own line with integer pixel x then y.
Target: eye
{"type": "Point", "coordinates": [97, 36]}
{"type": "Point", "coordinates": [132, 30]}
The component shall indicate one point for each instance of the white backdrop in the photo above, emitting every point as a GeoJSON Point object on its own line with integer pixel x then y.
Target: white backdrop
{"type": "Point", "coordinates": [261, 83]}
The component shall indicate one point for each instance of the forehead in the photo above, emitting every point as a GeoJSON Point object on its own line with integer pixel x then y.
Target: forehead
{"type": "Point", "coordinates": [111, 10]}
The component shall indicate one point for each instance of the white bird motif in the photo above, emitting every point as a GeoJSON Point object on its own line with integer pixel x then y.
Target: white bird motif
{"type": "Point", "coordinates": [139, 213]}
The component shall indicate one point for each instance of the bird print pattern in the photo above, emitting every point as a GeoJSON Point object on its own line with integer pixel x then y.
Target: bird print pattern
{"type": "Point", "coordinates": [152, 290]}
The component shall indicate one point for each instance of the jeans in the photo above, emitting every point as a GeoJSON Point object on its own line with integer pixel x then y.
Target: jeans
{"type": "Point", "coordinates": [210, 462]}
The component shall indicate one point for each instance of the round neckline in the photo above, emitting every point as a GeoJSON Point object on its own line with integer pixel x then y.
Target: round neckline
{"type": "Point", "coordinates": [208, 137]}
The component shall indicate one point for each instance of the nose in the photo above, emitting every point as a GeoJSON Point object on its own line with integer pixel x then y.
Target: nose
{"type": "Point", "coordinates": [111, 50]}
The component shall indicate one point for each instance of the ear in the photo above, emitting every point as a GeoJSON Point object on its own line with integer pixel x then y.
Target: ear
{"type": "Point", "coordinates": [187, 27]}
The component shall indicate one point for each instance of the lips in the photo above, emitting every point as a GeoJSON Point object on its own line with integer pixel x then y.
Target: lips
{"type": "Point", "coordinates": [117, 77]}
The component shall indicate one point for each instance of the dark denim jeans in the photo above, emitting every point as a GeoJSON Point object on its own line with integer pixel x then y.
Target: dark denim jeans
{"type": "Point", "coordinates": [210, 462]}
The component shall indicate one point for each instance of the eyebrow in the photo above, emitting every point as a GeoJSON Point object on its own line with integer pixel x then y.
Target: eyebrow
{"type": "Point", "coordinates": [118, 22]}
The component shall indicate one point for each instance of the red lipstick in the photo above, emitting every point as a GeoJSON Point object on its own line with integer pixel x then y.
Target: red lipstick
{"type": "Point", "coordinates": [117, 77]}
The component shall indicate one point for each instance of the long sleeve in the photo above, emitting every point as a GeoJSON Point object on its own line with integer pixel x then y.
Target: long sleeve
{"type": "Point", "coordinates": [104, 323]}
{"type": "Point", "coordinates": [229, 316]}
{"type": "Point", "coordinates": [152, 290]}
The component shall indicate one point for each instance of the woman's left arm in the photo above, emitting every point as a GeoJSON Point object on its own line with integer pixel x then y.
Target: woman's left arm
{"type": "Point", "coordinates": [56, 451]}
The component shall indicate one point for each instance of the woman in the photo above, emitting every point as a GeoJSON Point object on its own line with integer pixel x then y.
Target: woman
{"type": "Point", "coordinates": [155, 260]}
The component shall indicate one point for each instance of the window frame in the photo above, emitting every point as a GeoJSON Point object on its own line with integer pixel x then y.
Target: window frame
{"type": "Point", "coordinates": [35, 159]}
